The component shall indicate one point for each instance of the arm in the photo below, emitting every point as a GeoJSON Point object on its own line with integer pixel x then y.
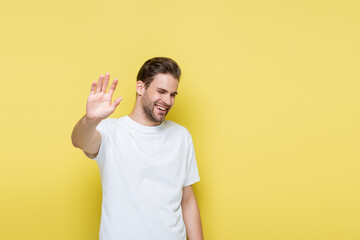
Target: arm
{"type": "Point", "coordinates": [85, 136]}
{"type": "Point", "coordinates": [191, 214]}
{"type": "Point", "coordinates": [98, 107]}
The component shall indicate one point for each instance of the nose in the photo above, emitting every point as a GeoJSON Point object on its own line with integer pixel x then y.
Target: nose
{"type": "Point", "coordinates": [167, 99]}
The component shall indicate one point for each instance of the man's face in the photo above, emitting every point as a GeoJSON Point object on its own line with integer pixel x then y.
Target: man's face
{"type": "Point", "coordinates": [159, 97]}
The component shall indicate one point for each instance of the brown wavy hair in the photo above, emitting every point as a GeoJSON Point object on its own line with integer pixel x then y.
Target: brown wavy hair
{"type": "Point", "coordinates": [157, 65]}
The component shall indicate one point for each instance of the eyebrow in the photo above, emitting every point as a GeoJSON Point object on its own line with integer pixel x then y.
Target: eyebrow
{"type": "Point", "coordinates": [164, 90]}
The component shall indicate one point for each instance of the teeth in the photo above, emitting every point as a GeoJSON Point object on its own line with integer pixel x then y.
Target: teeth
{"type": "Point", "coordinates": [161, 108]}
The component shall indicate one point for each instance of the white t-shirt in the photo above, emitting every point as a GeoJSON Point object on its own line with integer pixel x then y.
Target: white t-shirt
{"type": "Point", "coordinates": [143, 171]}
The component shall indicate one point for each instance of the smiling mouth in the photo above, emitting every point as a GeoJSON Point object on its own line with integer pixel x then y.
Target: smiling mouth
{"type": "Point", "coordinates": [161, 108]}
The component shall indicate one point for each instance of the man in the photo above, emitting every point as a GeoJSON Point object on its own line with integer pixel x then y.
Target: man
{"type": "Point", "coordinates": [147, 164]}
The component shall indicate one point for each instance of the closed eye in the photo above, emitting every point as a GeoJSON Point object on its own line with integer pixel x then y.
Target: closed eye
{"type": "Point", "coordinates": [162, 91]}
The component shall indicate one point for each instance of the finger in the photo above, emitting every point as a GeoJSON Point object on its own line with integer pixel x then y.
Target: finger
{"type": "Point", "coordinates": [99, 84]}
{"type": "Point", "coordinates": [93, 86]}
{"type": "Point", "coordinates": [113, 87]}
{"type": "Point", "coordinates": [106, 82]}
{"type": "Point", "coordinates": [116, 102]}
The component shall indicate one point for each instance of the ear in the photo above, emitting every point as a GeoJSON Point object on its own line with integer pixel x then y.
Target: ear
{"type": "Point", "coordinates": [140, 88]}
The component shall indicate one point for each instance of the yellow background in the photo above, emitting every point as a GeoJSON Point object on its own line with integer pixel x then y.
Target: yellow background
{"type": "Point", "coordinates": [270, 93]}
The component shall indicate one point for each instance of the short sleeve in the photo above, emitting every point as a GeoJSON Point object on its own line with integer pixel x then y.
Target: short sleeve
{"type": "Point", "coordinates": [103, 128]}
{"type": "Point", "coordinates": [192, 175]}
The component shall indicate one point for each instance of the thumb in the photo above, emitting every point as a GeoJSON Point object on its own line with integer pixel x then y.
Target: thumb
{"type": "Point", "coordinates": [116, 102]}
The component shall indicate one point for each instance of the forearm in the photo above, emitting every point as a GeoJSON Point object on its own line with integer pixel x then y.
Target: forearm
{"type": "Point", "coordinates": [191, 215]}
{"type": "Point", "coordinates": [83, 132]}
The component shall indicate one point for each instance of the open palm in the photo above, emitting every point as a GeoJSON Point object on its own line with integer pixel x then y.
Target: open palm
{"type": "Point", "coordinates": [99, 104]}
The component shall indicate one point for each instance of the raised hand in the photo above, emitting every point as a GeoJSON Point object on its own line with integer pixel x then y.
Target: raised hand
{"type": "Point", "coordinates": [99, 104]}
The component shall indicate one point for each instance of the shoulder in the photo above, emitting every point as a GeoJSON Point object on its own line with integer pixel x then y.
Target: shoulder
{"type": "Point", "coordinates": [175, 127]}
{"type": "Point", "coordinates": [113, 121]}
{"type": "Point", "coordinates": [110, 123]}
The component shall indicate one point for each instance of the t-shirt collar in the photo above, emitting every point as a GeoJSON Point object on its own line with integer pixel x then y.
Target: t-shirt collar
{"type": "Point", "coordinates": [143, 128]}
